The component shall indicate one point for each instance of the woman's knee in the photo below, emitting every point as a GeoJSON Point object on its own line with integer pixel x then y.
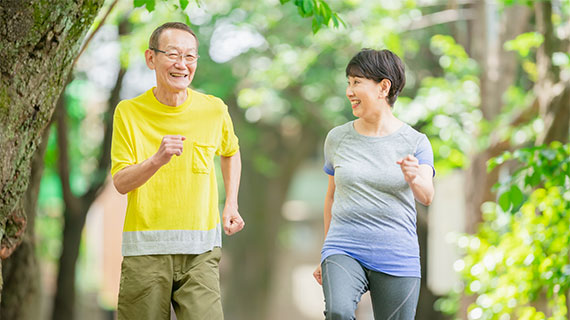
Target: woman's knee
{"type": "Point", "coordinates": [340, 312]}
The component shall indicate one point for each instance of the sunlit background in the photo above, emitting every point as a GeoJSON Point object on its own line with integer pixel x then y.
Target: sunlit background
{"type": "Point", "coordinates": [479, 83]}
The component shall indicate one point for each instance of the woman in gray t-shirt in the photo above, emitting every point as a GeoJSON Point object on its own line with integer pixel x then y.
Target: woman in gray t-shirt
{"type": "Point", "coordinates": [377, 166]}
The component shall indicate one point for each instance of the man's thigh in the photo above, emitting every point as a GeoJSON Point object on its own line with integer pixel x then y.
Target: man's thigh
{"type": "Point", "coordinates": [146, 286]}
{"type": "Point", "coordinates": [196, 291]}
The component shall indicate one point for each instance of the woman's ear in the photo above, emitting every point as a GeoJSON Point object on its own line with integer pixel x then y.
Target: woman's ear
{"type": "Point", "coordinates": [386, 84]}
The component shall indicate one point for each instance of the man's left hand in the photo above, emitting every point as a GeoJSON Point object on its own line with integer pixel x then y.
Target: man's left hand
{"type": "Point", "coordinates": [232, 221]}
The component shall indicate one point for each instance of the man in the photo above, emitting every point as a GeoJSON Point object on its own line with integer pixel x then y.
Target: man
{"type": "Point", "coordinates": [163, 148]}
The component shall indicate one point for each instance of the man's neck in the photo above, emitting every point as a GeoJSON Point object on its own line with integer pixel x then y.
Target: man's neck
{"type": "Point", "coordinates": [170, 98]}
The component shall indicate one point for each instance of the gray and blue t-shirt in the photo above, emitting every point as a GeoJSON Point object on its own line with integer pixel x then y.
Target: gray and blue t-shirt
{"type": "Point", "coordinates": [373, 213]}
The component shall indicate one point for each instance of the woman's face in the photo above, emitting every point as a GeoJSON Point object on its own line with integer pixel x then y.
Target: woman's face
{"type": "Point", "coordinates": [364, 95]}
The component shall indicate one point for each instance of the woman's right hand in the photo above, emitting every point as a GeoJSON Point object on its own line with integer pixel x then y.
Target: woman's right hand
{"type": "Point", "coordinates": [318, 275]}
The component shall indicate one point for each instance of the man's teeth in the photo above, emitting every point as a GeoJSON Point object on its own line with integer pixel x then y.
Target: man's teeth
{"type": "Point", "coordinates": [178, 75]}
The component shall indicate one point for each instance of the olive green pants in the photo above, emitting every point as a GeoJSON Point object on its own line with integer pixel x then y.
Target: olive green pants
{"type": "Point", "coordinates": [149, 284]}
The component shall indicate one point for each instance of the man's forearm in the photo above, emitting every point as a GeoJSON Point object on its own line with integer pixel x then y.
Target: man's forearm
{"type": "Point", "coordinates": [231, 172]}
{"type": "Point", "coordinates": [134, 176]}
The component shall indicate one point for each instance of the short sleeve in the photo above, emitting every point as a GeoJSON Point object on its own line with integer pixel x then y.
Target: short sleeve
{"type": "Point", "coordinates": [424, 152]}
{"type": "Point", "coordinates": [329, 154]}
{"type": "Point", "coordinates": [122, 146]}
{"type": "Point", "coordinates": [229, 143]}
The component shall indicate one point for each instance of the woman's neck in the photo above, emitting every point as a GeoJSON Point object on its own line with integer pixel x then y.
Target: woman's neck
{"type": "Point", "coordinates": [379, 125]}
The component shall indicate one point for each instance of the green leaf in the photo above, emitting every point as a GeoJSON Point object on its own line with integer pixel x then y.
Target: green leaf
{"type": "Point", "coordinates": [505, 201]}
{"type": "Point", "coordinates": [335, 21]}
{"type": "Point", "coordinates": [149, 4]}
{"type": "Point", "coordinates": [326, 11]}
{"type": "Point", "coordinates": [491, 164]}
{"type": "Point", "coordinates": [549, 154]}
{"type": "Point", "coordinates": [139, 3]}
{"type": "Point", "coordinates": [516, 196]}
{"type": "Point", "coordinates": [523, 43]}
{"type": "Point", "coordinates": [339, 19]}
{"type": "Point", "coordinates": [308, 7]}
{"type": "Point", "coordinates": [319, 10]}
{"type": "Point", "coordinates": [316, 26]}
{"type": "Point", "coordinates": [183, 4]}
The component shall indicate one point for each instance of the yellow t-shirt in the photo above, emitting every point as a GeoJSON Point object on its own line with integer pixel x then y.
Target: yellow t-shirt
{"type": "Point", "coordinates": [176, 210]}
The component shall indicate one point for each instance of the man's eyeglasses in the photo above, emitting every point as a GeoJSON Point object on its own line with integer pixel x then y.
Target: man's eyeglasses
{"type": "Point", "coordinates": [174, 56]}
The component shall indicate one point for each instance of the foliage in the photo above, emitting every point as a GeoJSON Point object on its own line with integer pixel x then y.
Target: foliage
{"type": "Point", "coordinates": [519, 257]}
{"type": "Point", "coordinates": [279, 78]}
{"type": "Point", "coordinates": [542, 167]}
{"type": "Point", "coordinates": [323, 15]}
{"type": "Point", "coordinates": [318, 9]}
{"type": "Point", "coordinates": [447, 106]}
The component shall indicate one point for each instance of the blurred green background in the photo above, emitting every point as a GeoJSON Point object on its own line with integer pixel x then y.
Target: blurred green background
{"type": "Point", "coordinates": [487, 80]}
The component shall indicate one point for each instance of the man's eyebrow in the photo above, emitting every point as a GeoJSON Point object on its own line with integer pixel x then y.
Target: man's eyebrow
{"type": "Point", "coordinates": [178, 49]}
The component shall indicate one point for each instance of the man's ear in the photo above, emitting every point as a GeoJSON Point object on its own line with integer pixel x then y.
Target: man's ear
{"type": "Point", "coordinates": [149, 57]}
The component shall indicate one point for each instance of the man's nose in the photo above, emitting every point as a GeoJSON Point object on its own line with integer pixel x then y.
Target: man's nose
{"type": "Point", "coordinates": [180, 63]}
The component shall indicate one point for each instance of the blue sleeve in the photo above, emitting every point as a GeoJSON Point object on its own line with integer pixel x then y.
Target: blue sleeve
{"type": "Point", "coordinates": [424, 152]}
{"type": "Point", "coordinates": [329, 152]}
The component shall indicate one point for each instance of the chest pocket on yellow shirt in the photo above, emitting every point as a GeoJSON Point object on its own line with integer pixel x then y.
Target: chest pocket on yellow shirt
{"type": "Point", "coordinates": [202, 158]}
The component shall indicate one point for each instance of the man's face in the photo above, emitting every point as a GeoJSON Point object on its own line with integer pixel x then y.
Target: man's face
{"type": "Point", "coordinates": [173, 74]}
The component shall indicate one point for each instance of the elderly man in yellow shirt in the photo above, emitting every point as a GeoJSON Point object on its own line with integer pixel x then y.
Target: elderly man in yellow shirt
{"type": "Point", "coordinates": [163, 148]}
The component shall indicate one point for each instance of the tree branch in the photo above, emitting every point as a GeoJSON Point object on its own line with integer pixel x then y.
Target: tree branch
{"type": "Point", "coordinates": [63, 147]}
{"type": "Point", "coordinates": [104, 161]}
{"type": "Point", "coordinates": [445, 16]}
{"type": "Point", "coordinates": [92, 34]}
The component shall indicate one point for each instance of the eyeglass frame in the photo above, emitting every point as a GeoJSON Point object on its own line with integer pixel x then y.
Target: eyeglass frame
{"type": "Point", "coordinates": [178, 55]}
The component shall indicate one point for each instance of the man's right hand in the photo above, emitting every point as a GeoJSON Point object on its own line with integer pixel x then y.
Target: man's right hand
{"type": "Point", "coordinates": [170, 145]}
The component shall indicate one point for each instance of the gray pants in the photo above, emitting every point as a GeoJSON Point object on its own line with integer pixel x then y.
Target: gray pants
{"type": "Point", "coordinates": [345, 280]}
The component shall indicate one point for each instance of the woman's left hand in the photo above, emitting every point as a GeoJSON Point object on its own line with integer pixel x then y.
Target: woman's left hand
{"type": "Point", "coordinates": [410, 167]}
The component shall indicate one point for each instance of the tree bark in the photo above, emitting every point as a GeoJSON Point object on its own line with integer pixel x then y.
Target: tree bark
{"type": "Point", "coordinates": [38, 41]}
{"type": "Point", "coordinates": [21, 271]}
{"type": "Point", "coordinates": [553, 92]}
{"type": "Point", "coordinates": [498, 72]}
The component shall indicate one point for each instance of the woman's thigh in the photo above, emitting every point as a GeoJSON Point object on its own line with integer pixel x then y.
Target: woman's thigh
{"type": "Point", "coordinates": [344, 282]}
{"type": "Point", "coordinates": [393, 298]}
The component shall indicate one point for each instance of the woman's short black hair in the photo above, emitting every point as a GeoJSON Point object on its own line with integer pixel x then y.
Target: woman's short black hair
{"type": "Point", "coordinates": [378, 65]}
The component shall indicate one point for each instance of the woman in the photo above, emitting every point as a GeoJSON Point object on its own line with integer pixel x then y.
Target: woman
{"type": "Point", "coordinates": [377, 166]}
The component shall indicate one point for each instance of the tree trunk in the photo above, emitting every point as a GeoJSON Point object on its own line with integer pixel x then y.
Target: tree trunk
{"type": "Point", "coordinates": [251, 253]}
{"type": "Point", "coordinates": [38, 41]}
{"type": "Point", "coordinates": [425, 309]}
{"type": "Point", "coordinates": [76, 208]}
{"type": "Point", "coordinates": [21, 271]}
{"type": "Point", "coordinates": [498, 72]}
{"type": "Point", "coordinates": [64, 303]}
{"type": "Point", "coordinates": [553, 92]}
